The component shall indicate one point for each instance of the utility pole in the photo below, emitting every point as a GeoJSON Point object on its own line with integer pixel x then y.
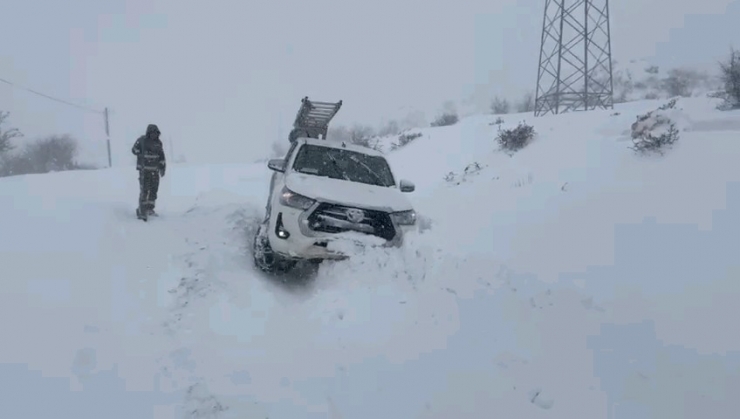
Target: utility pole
{"type": "Point", "coordinates": [107, 136]}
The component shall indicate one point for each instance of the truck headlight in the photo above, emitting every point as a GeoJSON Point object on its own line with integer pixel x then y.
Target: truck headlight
{"type": "Point", "coordinates": [405, 218]}
{"type": "Point", "coordinates": [294, 200]}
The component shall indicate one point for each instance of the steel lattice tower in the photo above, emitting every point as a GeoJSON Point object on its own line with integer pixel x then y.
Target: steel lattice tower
{"type": "Point", "coordinates": [575, 71]}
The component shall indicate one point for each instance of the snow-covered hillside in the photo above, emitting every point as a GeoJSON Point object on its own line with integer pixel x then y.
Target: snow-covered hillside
{"type": "Point", "coordinates": [574, 279]}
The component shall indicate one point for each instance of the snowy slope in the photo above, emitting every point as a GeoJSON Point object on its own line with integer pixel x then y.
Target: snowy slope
{"type": "Point", "coordinates": [573, 279]}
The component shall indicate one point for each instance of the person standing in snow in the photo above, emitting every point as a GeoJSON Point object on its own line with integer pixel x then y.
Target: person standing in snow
{"type": "Point", "coordinates": [151, 164]}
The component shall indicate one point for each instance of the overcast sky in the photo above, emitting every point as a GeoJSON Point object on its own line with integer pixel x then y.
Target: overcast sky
{"type": "Point", "coordinates": [223, 78]}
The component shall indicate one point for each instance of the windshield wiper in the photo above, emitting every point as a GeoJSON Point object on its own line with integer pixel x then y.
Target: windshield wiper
{"type": "Point", "coordinates": [377, 177]}
{"type": "Point", "coordinates": [336, 166]}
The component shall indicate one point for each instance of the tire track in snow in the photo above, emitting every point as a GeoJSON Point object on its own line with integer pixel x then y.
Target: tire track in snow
{"type": "Point", "coordinates": [214, 245]}
{"type": "Point", "coordinates": [218, 263]}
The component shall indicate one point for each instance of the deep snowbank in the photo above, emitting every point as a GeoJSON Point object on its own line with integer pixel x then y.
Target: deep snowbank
{"type": "Point", "coordinates": [574, 279]}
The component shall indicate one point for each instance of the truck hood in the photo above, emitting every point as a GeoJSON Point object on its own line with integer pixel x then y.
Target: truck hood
{"type": "Point", "coordinates": [347, 193]}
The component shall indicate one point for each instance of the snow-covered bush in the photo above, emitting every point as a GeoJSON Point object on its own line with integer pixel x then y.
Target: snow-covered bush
{"type": "Point", "coordinates": [655, 130]}
{"type": "Point", "coordinates": [449, 115]}
{"type": "Point", "coordinates": [687, 82]}
{"type": "Point", "coordinates": [472, 169]}
{"type": "Point", "coordinates": [679, 82]}
{"type": "Point", "coordinates": [55, 153]}
{"type": "Point", "coordinates": [730, 77]}
{"type": "Point", "coordinates": [52, 154]}
{"type": "Point", "coordinates": [500, 106]}
{"type": "Point", "coordinates": [527, 103]}
{"type": "Point", "coordinates": [446, 119]}
{"type": "Point", "coordinates": [514, 139]}
{"type": "Point", "coordinates": [359, 134]}
{"type": "Point", "coordinates": [7, 135]}
{"type": "Point", "coordinates": [404, 139]}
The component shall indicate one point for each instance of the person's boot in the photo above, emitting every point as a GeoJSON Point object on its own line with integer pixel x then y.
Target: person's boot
{"type": "Point", "coordinates": [141, 214]}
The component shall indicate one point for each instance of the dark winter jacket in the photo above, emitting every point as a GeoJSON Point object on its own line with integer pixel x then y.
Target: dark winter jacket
{"type": "Point", "coordinates": [149, 151]}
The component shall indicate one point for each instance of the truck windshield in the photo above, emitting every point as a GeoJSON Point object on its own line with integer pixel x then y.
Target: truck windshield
{"type": "Point", "coordinates": [343, 164]}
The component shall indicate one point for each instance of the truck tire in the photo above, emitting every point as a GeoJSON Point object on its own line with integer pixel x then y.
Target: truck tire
{"type": "Point", "coordinates": [267, 260]}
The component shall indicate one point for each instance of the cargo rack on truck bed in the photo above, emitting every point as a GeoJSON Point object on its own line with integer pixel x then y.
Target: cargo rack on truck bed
{"type": "Point", "coordinates": [313, 119]}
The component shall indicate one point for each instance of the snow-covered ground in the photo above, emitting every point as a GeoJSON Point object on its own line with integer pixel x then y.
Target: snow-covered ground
{"type": "Point", "coordinates": [574, 279]}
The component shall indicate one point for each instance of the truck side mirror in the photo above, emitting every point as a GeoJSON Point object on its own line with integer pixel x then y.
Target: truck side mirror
{"type": "Point", "coordinates": [277, 165]}
{"type": "Point", "coordinates": [407, 186]}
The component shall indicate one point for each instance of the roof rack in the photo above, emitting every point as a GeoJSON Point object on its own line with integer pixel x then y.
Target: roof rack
{"type": "Point", "coordinates": [313, 119]}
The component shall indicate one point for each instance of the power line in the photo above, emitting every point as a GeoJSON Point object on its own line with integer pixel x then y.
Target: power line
{"type": "Point", "coordinates": [104, 112]}
{"type": "Point", "coordinates": [84, 108]}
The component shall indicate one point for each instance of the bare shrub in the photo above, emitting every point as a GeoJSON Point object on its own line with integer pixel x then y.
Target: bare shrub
{"type": "Point", "coordinates": [405, 139]}
{"type": "Point", "coordinates": [52, 154]}
{"type": "Point", "coordinates": [654, 131]}
{"type": "Point", "coordinates": [653, 69]}
{"type": "Point", "coordinates": [361, 135]}
{"type": "Point", "coordinates": [684, 82]}
{"type": "Point", "coordinates": [446, 119]}
{"type": "Point", "coordinates": [471, 170]}
{"type": "Point", "coordinates": [13, 164]}
{"type": "Point", "coordinates": [515, 139]}
{"type": "Point", "coordinates": [526, 104]}
{"type": "Point", "coordinates": [500, 106]}
{"type": "Point", "coordinates": [448, 116]}
{"type": "Point", "coordinates": [358, 134]}
{"type": "Point", "coordinates": [7, 135]}
{"type": "Point", "coordinates": [730, 77]}
{"type": "Point", "coordinates": [55, 153]}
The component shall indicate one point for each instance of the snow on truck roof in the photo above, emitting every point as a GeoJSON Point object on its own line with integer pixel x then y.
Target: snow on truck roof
{"type": "Point", "coordinates": [340, 145]}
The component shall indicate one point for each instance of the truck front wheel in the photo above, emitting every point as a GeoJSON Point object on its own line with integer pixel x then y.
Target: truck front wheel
{"type": "Point", "coordinates": [264, 257]}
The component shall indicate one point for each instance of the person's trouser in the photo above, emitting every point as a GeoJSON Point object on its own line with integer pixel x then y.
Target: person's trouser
{"type": "Point", "coordinates": [148, 187]}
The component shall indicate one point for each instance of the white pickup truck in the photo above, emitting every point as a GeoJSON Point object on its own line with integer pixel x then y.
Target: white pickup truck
{"type": "Point", "coordinates": [322, 189]}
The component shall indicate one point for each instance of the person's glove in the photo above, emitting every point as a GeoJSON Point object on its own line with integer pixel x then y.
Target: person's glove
{"type": "Point", "coordinates": [161, 171]}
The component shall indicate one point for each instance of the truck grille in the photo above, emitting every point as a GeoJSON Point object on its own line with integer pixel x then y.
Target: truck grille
{"type": "Point", "coordinates": [329, 218]}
